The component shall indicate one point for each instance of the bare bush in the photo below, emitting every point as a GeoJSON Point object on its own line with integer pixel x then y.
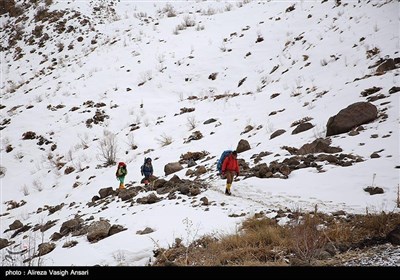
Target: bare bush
{"type": "Point", "coordinates": [270, 127]}
{"type": "Point", "coordinates": [37, 185]}
{"type": "Point", "coordinates": [223, 47]}
{"type": "Point", "coordinates": [160, 58]}
{"type": "Point", "coordinates": [372, 52]}
{"type": "Point", "coordinates": [19, 156]}
{"type": "Point", "coordinates": [108, 148]}
{"type": "Point", "coordinates": [140, 15]}
{"type": "Point", "coordinates": [303, 120]}
{"type": "Point", "coordinates": [164, 140]}
{"type": "Point", "coordinates": [181, 96]}
{"type": "Point", "coordinates": [146, 122]}
{"type": "Point", "coordinates": [131, 142]}
{"type": "Point", "coordinates": [84, 140]}
{"type": "Point", "coordinates": [181, 26]}
{"type": "Point", "coordinates": [191, 235]}
{"type": "Point", "coordinates": [176, 30]}
{"type": "Point", "coordinates": [295, 92]}
{"type": "Point", "coordinates": [25, 253]}
{"type": "Point", "coordinates": [199, 27]}
{"type": "Point", "coordinates": [228, 7]}
{"type": "Point", "coordinates": [144, 77]}
{"type": "Point", "coordinates": [318, 132]}
{"type": "Point", "coordinates": [376, 28]}
{"type": "Point", "coordinates": [209, 12]}
{"type": "Point", "coordinates": [119, 257]}
{"type": "Point", "coordinates": [169, 10]}
{"type": "Point", "coordinates": [191, 122]}
{"type": "Point", "coordinates": [307, 238]}
{"type": "Point", "coordinates": [54, 161]}
{"type": "Point", "coordinates": [188, 21]}
{"type": "Point", "coordinates": [25, 190]}
{"type": "Point", "coordinates": [77, 165]}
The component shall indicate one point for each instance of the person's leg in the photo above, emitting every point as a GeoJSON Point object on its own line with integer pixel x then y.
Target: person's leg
{"type": "Point", "coordinates": [229, 179]}
{"type": "Point", "coordinates": [121, 182]}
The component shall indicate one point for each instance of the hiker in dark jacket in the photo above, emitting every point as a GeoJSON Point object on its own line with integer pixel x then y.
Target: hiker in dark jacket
{"type": "Point", "coordinates": [121, 173]}
{"type": "Point", "coordinates": [147, 171]}
{"type": "Point", "coordinates": [230, 169]}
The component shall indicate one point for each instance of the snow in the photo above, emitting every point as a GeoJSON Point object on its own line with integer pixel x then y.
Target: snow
{"type": "Point", "coordinates": [130, 51]}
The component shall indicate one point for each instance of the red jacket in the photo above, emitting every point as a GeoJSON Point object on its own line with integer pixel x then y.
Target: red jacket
{"type": "Point", "coordinates": [230, 164]}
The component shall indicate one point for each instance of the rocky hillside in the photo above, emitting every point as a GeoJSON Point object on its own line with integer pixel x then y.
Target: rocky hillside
{"type": "Point", "coordinates": [306, 92]}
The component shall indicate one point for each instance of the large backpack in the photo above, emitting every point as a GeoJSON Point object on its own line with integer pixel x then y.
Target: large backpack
{"type": "Point", "coordinates": [221, 160]}
{"type": "Point", "coordinates": [122, 166]}
{"type": "Point", "coordinates": [142, 167]}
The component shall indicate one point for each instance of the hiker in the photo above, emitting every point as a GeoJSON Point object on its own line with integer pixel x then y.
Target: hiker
{"type": "Point", "coordinates": [230, 169]}
{"type": "Point", "coordinates": [120, 174]}
{"type": "Point", "coordinates": [146, 171]}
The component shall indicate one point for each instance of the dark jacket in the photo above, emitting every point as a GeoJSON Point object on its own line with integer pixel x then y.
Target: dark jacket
{"type": "Point", "coordinates": [147, 169]}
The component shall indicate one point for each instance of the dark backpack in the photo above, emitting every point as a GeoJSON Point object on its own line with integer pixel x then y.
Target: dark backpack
{"type": "Point", "coordinates": [221, 160]}
{"type": "Point", "coordinates": [142, 167]}
{"type": "Point", "coordinates": [121, 171]}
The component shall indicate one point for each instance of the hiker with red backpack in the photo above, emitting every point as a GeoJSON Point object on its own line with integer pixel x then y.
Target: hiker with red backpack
{"type": "Point", "coordinates": [147, 171]}
{"type": "Point", "coordinates": [120, 174]}
{"type": "Point", "coordinates": [230, 169]}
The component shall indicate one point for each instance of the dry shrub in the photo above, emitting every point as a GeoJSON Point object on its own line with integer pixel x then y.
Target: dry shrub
{"type": "Point", "coordinates": [358, 228]}
{"type": "Point", "coordinates": [339, 232]}
{"type": "Point", "coordinates": [307, 239]}
{"type": "Point", "coordinates": [377, 224]}
{"type": "Point", "coordinates": [262, 242]}
{"type": "Point", "coordinates": [258, 243]}
{"type": "Point", "coordinates": [237, 249]}
{"type": "Point", "coordinates": [168, 256]}
{"type": "Point", "coordinates": [164, 140]}
{"type": "Point", "coordinates": [263, 232]}
{"type": "Point", "coordinates": [303, 120]}
{"type": "Point", "coordinates": [255, 223]}
{"type": "Point", "coordinates": [245, 254]}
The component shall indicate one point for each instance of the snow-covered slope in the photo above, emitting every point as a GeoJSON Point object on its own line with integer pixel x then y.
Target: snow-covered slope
{"type": "Point", "coordinates": [133, 69]}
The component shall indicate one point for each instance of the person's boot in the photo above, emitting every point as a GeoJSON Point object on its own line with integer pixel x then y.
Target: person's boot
{"type": "Point", "coordinates": [228, 189]}
{"type": "Point", "coordinates": [121, 186]}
